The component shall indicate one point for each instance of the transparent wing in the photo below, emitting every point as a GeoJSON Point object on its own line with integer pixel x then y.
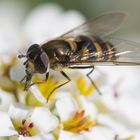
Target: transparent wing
{"type": "Point", "coordinates": [101, 26]}
{"type": "Point", "coordinates": [126, 51]}
{"type": "Point", "coordinates": [123, 52]}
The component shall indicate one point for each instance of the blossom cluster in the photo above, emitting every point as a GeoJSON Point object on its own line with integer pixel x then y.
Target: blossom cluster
{"type": "Point", "coordinates": [75, 111]}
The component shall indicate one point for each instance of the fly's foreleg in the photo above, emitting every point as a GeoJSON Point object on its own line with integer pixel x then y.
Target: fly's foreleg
{"type": "Point", "coordinates": [39, 82]}
{"type": "Point", "coordinates": [68, 80]}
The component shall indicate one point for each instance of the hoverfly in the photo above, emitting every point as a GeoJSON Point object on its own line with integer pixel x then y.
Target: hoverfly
{"type": "Point", "coordinates": [83, 47]}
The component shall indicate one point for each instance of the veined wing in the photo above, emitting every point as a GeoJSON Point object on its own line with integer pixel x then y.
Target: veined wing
{"type": "Point", "coordinates": [126, 51]}
{"type": "Point", "coordinates": [119, 52]}
{"type": "Point", "coordinates": [101, 26]}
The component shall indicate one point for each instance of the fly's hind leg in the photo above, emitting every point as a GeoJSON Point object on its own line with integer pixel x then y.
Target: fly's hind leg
{"type": "Point", "coordinates": [88, 75]}
{"type": "Point", "coordinates": [68, 80]}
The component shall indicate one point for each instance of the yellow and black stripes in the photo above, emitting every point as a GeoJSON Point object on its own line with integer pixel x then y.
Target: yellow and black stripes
{"type": "Point", "coordinates": [108, 50]}
{"type": "Point", "coordinates": [95, 47]}
{"type": "Point", "coordinates": [111, 51]}
{"type": "Point", "coordinates": [85, 46]}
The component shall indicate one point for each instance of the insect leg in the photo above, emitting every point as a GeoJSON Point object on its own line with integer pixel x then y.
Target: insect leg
{"type": "Point", "coordinates": [68, 80]}
{"type": "Point", "coordinates": [40, 82]}
{"type": "Point", "coordinates": [23, 78]}
{"type": "Point", "coordinates": [88, 75]}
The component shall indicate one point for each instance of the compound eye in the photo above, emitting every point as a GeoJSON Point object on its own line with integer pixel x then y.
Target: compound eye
{"type": "Point", "coordinates": [41, 63]}
{"type": "Point", "coordinates": [33, 51]}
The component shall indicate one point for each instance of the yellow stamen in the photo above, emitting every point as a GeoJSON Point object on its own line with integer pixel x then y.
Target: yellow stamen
{"type": "Point", "coordinates": [84, 90]}
{"type": "Point", "coordinates": [25, 127]}
{"type": "Point", "coordinates": [78, 123]}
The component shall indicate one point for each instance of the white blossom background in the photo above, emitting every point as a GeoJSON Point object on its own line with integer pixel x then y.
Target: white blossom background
{"type": "Point", "coordinates": [117, 111]}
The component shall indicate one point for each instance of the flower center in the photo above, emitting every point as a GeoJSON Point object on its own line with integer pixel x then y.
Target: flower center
{"type": "Point", "coordinates": [26, 128]}
{"type": "Point", "coordinates": [78, 123]}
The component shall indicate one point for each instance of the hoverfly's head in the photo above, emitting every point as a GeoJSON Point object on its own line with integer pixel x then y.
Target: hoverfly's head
{"type": "Point", "coordinates": [37, 62]}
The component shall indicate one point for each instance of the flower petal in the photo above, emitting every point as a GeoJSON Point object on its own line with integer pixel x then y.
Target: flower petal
{"type": "Point", "coordinates": [44, 120]}
{"type": "Point", "coordinates": [17, 72]}
{"type": "Point", "coordinates": [66, 107]}
{"type": "Point", "coordinates": [64, 135]}
{"type": "Point", "coordinates": [6, 126]}
{"type": "Point", "coordinates": [18, 111]}
{"type": "Point", "coordinates": [124, 106]}
{"type": "Point", "coordinates": [5, 100]}
{"type": "Point", "coordinates": [38, 137]}
{"type": "Point", "coordinates": [100, 133]}
{"type": "Point", "coordinates": [89, 107]}
{"type": "Point", "coordinates": [114, 124]}
{"type": "Point", "coordinates": [35, 91]}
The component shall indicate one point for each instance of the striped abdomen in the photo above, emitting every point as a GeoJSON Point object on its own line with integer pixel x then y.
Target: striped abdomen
{"type": "Point", "coordinates": [96, 48]}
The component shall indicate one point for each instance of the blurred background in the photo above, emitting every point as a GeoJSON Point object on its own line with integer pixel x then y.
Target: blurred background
{"type": "Point", "coordinates": [14, 14]}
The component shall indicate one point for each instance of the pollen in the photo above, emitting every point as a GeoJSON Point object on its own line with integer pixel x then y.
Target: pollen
{"type": "Point", "coordinates": [78, 123]}
{"type": "Point", "coordinates": [83, 88]}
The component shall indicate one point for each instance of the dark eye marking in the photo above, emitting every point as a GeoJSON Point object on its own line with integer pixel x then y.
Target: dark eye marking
{"type": "Point", "coordinates": [41, 63]}
{"type": "Point", "coordinates": [33, 51]}
{"type": "Point", "coordinates": [44, 59]}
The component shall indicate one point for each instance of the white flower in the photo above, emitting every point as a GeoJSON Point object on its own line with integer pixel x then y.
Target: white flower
{"type": "Point", "coordinates": [123, 106]}
{"type": "Point", "coordinates": [64, 135]}
{"type": "Point", "coordinates": [66, 106]}
{"type": "Point", "coordinates": [117, 126]}
{"type": "Point", "coordinates": [126, 79]}
{"type": "Point", "coordinates": [97, 133]}
{"type": "Point", "coordinates": [100, 133]}
{"type": "Point", "coordinates": [76, 116]}
{"type": "Point", "coordinates": [7, 128]}
{"type": "Point", "coordinates": [28, 123]}
{"type": "Point", "coordinates": [5, 100]}
{"type": "Point", "coordinates": [119, 105]}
